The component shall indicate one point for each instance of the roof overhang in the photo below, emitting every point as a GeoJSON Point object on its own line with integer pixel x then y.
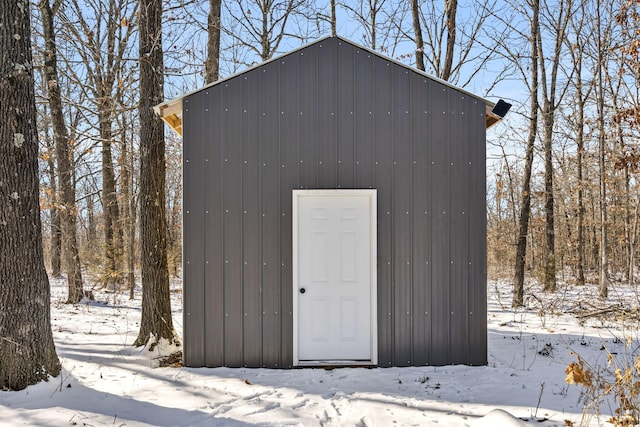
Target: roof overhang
{"type": "Point", "coordinates": [171, 111]}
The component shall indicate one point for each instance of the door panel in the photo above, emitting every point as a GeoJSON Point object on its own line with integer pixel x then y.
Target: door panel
{"type": "Point", "coordinates": [335, 284]}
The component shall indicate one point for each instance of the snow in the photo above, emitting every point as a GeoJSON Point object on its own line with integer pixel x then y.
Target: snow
{"type": "Point", "coordinates": [105, 381]}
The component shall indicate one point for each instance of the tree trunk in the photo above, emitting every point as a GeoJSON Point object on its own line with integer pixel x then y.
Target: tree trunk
{"type": "Point", "coordinates": [56, 228]}
{"type": "Point", "coordinates": [27, 351]}
{"type": "Point", "coordinates": [604, 254]}
{"type": "Point", "coordinates": [156, 322]}
{"type": "Point", "coordinates": [525, 207]}
{"type": "Point", "coordinates": [550, 252]}
{"type": "Point", "coordinates": [579, 159]}
{"type": "Point", "coordinates": [333, 18]}
{"type": "Point", "coordinates": [68, 211]}
{"type": "Point", "coordinates": [111, 211]}
{"type": "Point", "coordinates": [451, 7]}
{"type": "Point", "coordinates": [212, 68]}
{"type": "Point", "coordinates": [127, 209]}
{"type": "Point", "coordinates": [417, 30]}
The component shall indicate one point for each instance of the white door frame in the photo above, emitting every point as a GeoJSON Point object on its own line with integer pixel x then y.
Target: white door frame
{"type": "Point", "coordinates": [372, 194]}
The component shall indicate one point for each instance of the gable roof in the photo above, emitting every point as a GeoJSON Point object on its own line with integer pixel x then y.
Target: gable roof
{"type": "Point", "coordinates": [171, 111]}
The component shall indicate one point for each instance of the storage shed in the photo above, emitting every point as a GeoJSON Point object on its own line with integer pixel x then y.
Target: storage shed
{"type": "Point", "coordinates": [334, 214]}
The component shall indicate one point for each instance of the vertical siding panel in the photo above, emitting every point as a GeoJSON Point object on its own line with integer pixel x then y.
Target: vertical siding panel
{"type": "Point", "coordinates": [326, 119]}
{"type": "Point", "coordinates": [440, 245]}
{"type": "Point", "coordinates": [384, 185]}
{"type": "Point", "coordinates": [459, 236]}
{"type": "Point", "coordinates": [477, 237]}
{"type": "Point", "coordinates": [345, 116]}
{"type": "Point", "coordinates": [192, 223]}
{"type": "Point", "coordinates": [421, 270]}
{"type": "Point", "coordinates": [308, 130]}
{"type": "Point", "coordinates": [213, 227]}
{"type": "Point", "coordinates": [232, 233]}
{"type": "Point", "coordinates": [364, 120]}
{"type": "Point", "coordinates": [401, 215]}
{"type": "Point", "coordinates": [289, 119]}
{"type": "Point", "coordinates": [252, 322]}
{"type": "Point", "coordinates": [270, 154]}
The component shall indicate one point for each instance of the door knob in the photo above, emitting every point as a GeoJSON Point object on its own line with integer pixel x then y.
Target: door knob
{"type": "Point", "coordinates": [303, 290]}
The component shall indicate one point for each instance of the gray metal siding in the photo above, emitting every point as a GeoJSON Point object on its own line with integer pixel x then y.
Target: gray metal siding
{"type": "Point", "coordinates": [333, 115]}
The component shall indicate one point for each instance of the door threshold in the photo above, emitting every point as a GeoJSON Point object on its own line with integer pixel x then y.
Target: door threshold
{"type": "Point", "coordinates": [329, 364]}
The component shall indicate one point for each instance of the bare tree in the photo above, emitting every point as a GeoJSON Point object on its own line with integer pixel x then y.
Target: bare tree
{"type": "Point", "coordinates": [582, 94]}
{"type": "Point", "coordinates": [368, 14]}
{"type": "Point", "coordinates": [156, 322]}
{"type": "Point", "coordinates": [557, 20]}
{"type": "Point", "coordinates": [68, 210]}
{"type": "Point", "coordinates": [525, 206]}
{"type": "Point", "coordinates": [101, 32]}
{"type": "Point", "coordinates": [600, 88]}
{"type": "Point", "coordinates": [260, 26]}
{"type": "Point", "coordinates": [27, 350]}
{"type": "Point", "coordinates": [452, 49]}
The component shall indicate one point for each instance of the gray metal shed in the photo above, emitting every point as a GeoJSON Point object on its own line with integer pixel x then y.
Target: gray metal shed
{"type": "Point", "coordinates": [334, 214]}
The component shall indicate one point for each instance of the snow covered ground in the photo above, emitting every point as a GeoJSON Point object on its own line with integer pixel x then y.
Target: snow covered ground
{"type": "Point", "coordinates": [107, 382]}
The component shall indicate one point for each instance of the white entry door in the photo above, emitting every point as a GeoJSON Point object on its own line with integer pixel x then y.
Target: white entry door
{"type": "Point", "coordinates": [334, 283]}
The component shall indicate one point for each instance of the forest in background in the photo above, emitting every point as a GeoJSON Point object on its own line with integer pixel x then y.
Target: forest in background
{"type": "Point", "coordinates": [562, 188]}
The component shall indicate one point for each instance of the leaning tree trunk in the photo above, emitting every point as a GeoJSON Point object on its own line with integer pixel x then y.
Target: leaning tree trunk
{"type": "Point", "coordinates": [68, 209]}
{"type": "Point", "coordinates": [156, 320]}
{"type": "Point", "coordinates": [27, 351]}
